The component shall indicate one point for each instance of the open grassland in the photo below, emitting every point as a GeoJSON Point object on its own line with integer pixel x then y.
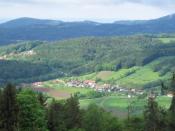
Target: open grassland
{"type": "Point", "coordinates": [118, 105]}
{"type": "Point", "coordinates": [140, 78]}
{"type": "Point", "coordinates": [108, 75]}
{"type": "Point", "coordinates": [135, 77]}
{"type": "Point", "coordinates": [166, 40]}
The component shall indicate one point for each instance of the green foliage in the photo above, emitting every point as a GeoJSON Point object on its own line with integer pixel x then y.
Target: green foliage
{"type": "Point", "coordinates": [94, 94]}
{"type": "Point", "coordinates": [20, 47]}
{"type": "Point", "coordinates": [171, 112]}
{"type": "Point", "coordinates": [73, 115]}
{"type": "Point", "coordinates": [90, 95]}
{"type": "Point", "coordinates": [154, 116]}
{"type": "Point", "coordinates": [170, 120]}
{"type": "Point", "coordinates": [1, 111]}
{"type": "Point", "coordinates": [163, 89]}
{"type": "Point", "coordinates": [56, 117]}
{"type": "Point", "coordinates": [134, 124]}
{"type": "Point", "coordinates": [172, 86]}
{"type": "Point", "coordinates": [42, 99]}
{"type": "Point", "coordinates": [8, 109]}
{"type": "Point", "coordinates": [96, 119]}
{"type": "Point", "coordinates": [24, 72]}
{"type": "Point", "coordinates": [31, 113]}
{"type": "Point", "coordinates": [86, 55]}
{"type": "Point", "coordinates": [66, 115]}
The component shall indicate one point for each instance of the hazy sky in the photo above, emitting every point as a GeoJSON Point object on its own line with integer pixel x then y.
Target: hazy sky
{"type": "Point", "coordinates": [97, 10]}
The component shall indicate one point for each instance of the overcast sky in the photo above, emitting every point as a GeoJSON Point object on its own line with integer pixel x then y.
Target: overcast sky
{"type": "Point", "coordinates": [77, 10]}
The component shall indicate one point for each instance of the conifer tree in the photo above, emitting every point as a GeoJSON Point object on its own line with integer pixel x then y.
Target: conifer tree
{"type": "Point", "coordinates": [171, 113]}
{"type": "Point", "coordinates": [172, 88]}
{"type": "Point", "coordinates": [73, 114]}
{"type": "Point", "coordinates": [42, 99]}
{"type": "Point", "coordinates": [0, 108]}
{"type": "Point", "coordinates": [56, 117]}
{"type": "Point", "coordinates": [9, 109]}
{"type": "Point", "coordinates": [154, 116]}
{"type": "Point", "coordinates": [163, 89]}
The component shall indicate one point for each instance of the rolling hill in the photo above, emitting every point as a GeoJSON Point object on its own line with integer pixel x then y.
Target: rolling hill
{"type": "Point", "coordinates": [139, 60]}
{"type": "Point", "coordinates": [52, 30]}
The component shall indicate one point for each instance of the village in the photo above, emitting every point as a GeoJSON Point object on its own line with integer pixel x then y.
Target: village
{"type": "Point", "coordinates": [104, 87]}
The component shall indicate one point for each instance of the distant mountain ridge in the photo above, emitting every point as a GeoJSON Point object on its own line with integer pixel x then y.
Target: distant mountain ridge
{"type": "Point", "coordinates": [28, 21]}
{"type": "Point", "coordinates": [51, 30]}
{"type": "Point", "coordinates": [25, 21]}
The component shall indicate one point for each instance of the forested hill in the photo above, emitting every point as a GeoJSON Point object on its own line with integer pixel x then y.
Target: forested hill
{"type": "Point", "coordinates": [143, 56]}
{"type": "Point", "coordinates": [52, 30]}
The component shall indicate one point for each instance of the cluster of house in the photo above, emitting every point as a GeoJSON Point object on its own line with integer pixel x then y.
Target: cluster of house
{"type": "Point", "coordinates": [102, 88]}
{"type": "Point", "coordinates": [26, 53]}
{"type": "Point", "coordinates": [83, 84]}
{"type": "Point", "coordinates": [2, 57]}
{"type": "Point", "coordinates": [37, 84]}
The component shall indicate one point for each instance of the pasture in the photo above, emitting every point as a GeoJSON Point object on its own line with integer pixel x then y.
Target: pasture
{"type": "Point", "coordinates": [118, 104]}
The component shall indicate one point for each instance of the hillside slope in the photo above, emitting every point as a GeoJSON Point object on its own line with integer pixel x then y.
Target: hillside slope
{"type": "Point", "coordinates": [37, 61]}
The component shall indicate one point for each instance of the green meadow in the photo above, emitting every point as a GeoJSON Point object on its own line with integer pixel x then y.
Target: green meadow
{"type": "Point", "coordinates": [166, 40]}
{"type": "Point", "coordinates": [115, 103]}
{"type": "Point", "coordinates": [118, 105]}
{"type": "Point", "coordinates": [134, 77]}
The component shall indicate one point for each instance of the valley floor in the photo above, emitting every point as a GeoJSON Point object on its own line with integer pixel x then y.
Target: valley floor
{"type": "Point", "coordinates": [117, 103]}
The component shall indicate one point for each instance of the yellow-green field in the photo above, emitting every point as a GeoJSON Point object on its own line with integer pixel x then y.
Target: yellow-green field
{"type": "Point", "coordinates": [165, 40]}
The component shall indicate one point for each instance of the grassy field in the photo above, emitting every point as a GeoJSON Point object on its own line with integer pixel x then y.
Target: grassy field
{"type": "Point", "coordinates": [166, 40]}
{"type": "Point", "coordinates": [108, 75]}
{"type": "Point", "coordinates": [118, 105]}
{"type": "Point", "coordinates": [140, 78]}
{"type": "Point", "coordinates": [135, 77]}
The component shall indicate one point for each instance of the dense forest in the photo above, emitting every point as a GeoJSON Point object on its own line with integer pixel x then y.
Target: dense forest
{"type": "Point", "coordinates": [39, 61]}
{"type": "Point", "coordinates": [26, 110]}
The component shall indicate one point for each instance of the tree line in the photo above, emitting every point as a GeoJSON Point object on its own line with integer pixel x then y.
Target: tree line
{"type": "Point", "coordinates": [26, 110]}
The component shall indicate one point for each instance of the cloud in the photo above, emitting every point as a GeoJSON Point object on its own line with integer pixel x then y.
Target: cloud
{"type": "Point", "coordinates": [166, 4]}
{"type": "Point", "coordinates": [149, 2]}
{"type": "Point", "coordinates": [99, 10]}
